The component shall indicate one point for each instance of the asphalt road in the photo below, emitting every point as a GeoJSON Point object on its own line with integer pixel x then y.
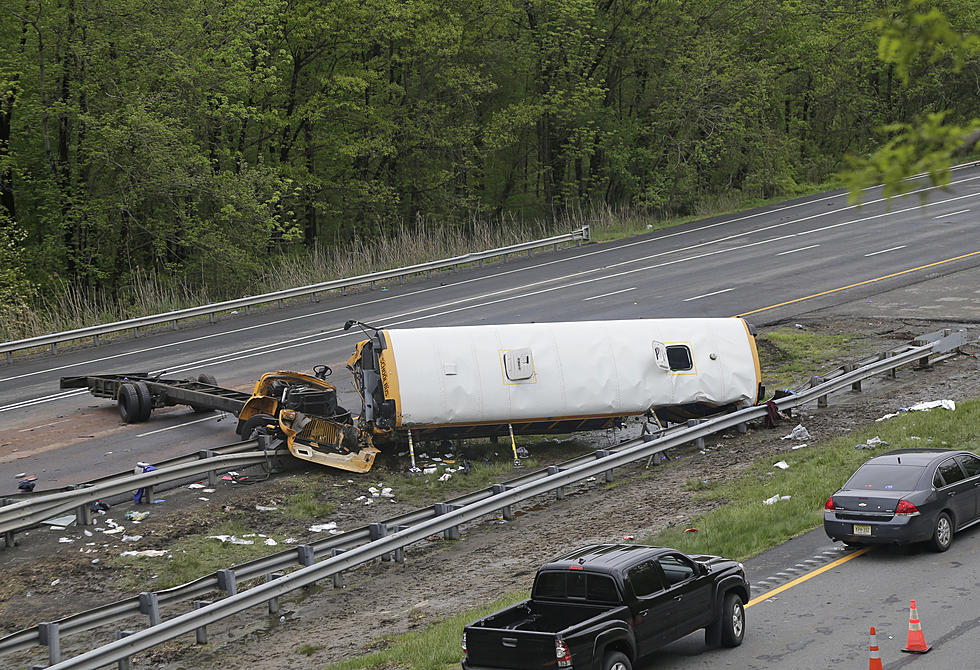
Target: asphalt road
{"type": "Point", "coordinates": [768, 264]}
{"type": "Point", "coordinates": [823, 621]}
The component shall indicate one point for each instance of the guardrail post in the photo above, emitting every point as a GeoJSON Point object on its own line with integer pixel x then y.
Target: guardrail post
{"type": "Point", "coordinates": [279, 303]}
{"type": "Point", "coordinates": [83, 515]}
{"type": "Point", "coordinates": [698, 442]}
{"type": "Point", "coordinates": [496, 490]}
{"type": "Point", "coordinates": [444, 508]}
{"type": "Point", "coordinates": [273, 602]}
{"type": "Point", "coordinates": [204, 454]}
{"type": "Point", "coordinates": [174, 322]}
{"type": "Point", "coordinates": [376, 531]}
{"type": "Point", "coordinates": [47, 634]}
{"type": "Point", "coordinates": [399, 553]}
{"type": "Point", "coordinates": [227, 581]}
{"type": "Point", "coordinates": [602, 453]}
{"type": "Point", "coordinates": [893, 371]}
{"type": "Point", "coordinates": [560, 491]}
{"type": "Point", "coordinates": [150, 606]}
{"type": "Point", "coordinates": [306, 557]}
{"type": "Point", "coordinates": [123, 662]}
{"type": "Point", "coordinates": [338, 577]}
{"type": "Point", "coordinates": [850, 367]}
{"type": "Point", "coordinates": [817, 381]}
{"type": "Point", "coordinates": [201, 632]}
{"type": "Point", "coordinates": [211, 318]}
{"type": "Point", "coordinates": [9, 356]}
{"type": "Point", "coordinates": [95, 339]}
{"type": "Point", "coordinates": [147, 497]}
{"type": "Point", "coordinates": [554, 246]}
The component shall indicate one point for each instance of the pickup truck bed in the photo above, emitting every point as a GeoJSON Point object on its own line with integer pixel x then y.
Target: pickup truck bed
{"type": "Point", "coordinates": [543, 617]}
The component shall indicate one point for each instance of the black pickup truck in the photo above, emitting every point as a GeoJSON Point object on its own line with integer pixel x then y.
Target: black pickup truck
{"type": "Point", "coordinates": [602, 607]}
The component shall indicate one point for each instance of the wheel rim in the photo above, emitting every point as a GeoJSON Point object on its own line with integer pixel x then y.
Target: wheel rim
{"type": "Point", "coordinates": [738, 620]}
{"type": "Point", "coordinates": [618, 666]}
{"type": "Point", "coordinates": [943, 531]}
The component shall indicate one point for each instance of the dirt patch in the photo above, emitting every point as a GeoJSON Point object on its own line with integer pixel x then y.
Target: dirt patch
{"type": "Point", "coordinates": [440, 578]}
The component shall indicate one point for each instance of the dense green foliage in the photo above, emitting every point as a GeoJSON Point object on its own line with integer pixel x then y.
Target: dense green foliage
{"type": "Point", "coordinates": [192, 139]}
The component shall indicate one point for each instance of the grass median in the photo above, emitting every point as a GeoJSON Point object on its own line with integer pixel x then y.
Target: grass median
{"type": "Point", "coordinates": [742, 527]}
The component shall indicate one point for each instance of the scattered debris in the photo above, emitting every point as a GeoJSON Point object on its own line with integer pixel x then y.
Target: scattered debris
{"type": "Point", "coordinates": [99, 507]}
{"type": "Point", "coordinates": [798, 446]}
{"type": "Point", "coordinates": [195, 486]}
{"type": "Point", "coordinates": [799, 434]}
{"type": "Point", "coordinates": [782, 465]}
{"type": "Point", "coordinates": [629, 538]}
{"type": "Point", "coordinates": [320, 527]}
{"type": "Point", "coordinates": [61, 521]}
{"type": "Point", "coordinates": [65, 540]}
{"type": "Point", "coordinates": [266, 508]}
{"type": "Point", "coordinates": [270, 542]}
{"type": "Point", "coordinates": [922, 407]}
{"type": "Point", "coordinates": [55, 582]}
{"type": "Point", "coordinates": [150, 553]}
{"type": "Point", "coordinates": [132, 538]}
{"type": "Point", "coordinates": [872, 443]}
{"type": "Point", "coordinates": [690, 530]}
{"type": "Point", "coordinates": [231, 538]}
{"type": "Point", "coordinates": [775, 499]}
{"type": "Point", "coordinates": [445, 477]}
{"type": "Point", "coordinates": [136, 516]}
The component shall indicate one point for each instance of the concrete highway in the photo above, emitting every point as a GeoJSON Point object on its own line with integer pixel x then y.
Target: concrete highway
{"type": "Point", "coordinates": [768, 264]}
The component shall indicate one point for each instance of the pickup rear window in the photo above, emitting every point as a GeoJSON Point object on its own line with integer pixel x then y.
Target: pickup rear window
{"type": "Point", "coordinates": [576, 584]}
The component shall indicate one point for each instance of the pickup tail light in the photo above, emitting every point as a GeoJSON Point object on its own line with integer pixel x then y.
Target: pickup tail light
{"type": "Point", "coordinates": [829, 505]}
{"type": "Point", "coordinates": [562, 653]}
{"type": "Point", "coordinates": [463, 644]}
{"type": "Point", "coordinates": [905, 508]}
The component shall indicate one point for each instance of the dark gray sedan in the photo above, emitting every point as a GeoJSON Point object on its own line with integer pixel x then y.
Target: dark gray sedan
{"type": "Point", "coordinates": [907, 495]}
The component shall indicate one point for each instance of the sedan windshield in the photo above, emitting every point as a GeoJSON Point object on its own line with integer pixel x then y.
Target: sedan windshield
{"type": "Point", "coordinates": [885, 477]}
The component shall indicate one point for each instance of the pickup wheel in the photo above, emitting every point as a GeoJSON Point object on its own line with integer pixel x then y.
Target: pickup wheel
{"type": "Point", "coordinates": [732, 621]}
{"type": "Point", "coordinates": [616, 660]}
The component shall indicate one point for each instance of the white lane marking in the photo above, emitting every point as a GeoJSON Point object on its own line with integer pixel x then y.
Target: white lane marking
{"type": "Point", "coordinates": [41, 400]}
{"type": "Point", "coordinates": [180, 425]}
{"type": "Point", "coordinates": [604, 295]}
{"type": "Point", "coordinates": [376, 301]}
{"type": "Point", "coordinates": [705, 295]}
{"type": "Point", "coordinates": [885, 251]}
{"type": "Point", "coordinates": [943, 216]}
{"type": "Point", "coordinates": [793, 251]}
{"type": "Point", "coordinates": [54, 423]}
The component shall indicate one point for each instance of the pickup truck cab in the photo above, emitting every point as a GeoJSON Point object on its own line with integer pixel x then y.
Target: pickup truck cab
{"type": "Point", "coordinates": [602, 607]}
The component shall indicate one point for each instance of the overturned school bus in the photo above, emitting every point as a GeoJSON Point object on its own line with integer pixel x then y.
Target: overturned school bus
{"type": "Point", "coordinates": [538, 378]}
{"type": "Point", "coordinates": [420, 384]}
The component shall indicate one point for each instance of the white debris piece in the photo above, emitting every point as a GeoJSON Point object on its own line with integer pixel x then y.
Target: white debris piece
{"type": "Point", "coordinates": [445, 477]}
{"type": "Point", "coordinates": [320, 527]}
{"type": "Point", "coordinates": [782, 465]}
{"type": "Point", "coordinates": [270, 542]}
{"type": "Point", "coordinates": [207, 491]}
{"type": "Point", "coordinates": [386, 493]}
{"type": "Point", "coordinates": [65, 540]}
{"type": "Point", "coordinates": [55, 582]}
{"type": "Point", "coordinates": [374, 492]}
{"type": "Point", "coordinates": [369, 501]}
{"type": "Point", "coordinates": [152, 553]}
{"type": "Point", "coordinates": [770, 501]}
{"type": "Point", "coordinates": [799, 434]}
{"type": "Point", "coordinates": [132, 538]}
{"type": "Point", "coordinates": [290, 540]}
{"type": "Point", "coordinates": [798, 446]}
{"type": "Point", "coordinates": [428, 471]}
{"type": "Point", "coordinates": [230, 538]}
{"type": "Point", "coordinates": [204, 499]}
{"type": "Point", "coordinates": [195, 486]}
{"type": "Point", "coordinates": [266, 508]}
{"type": "Point", "coordinates": [922, 407]}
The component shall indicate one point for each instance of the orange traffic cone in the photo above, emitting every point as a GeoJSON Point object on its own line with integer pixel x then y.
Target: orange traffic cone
{"type": "Point", "coordinates": [917, 641]}
{"type": "Point", "coordinates": [875, 661]}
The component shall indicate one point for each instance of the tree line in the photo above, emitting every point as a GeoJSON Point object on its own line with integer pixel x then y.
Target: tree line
{"type": "Point", "coordinates": [192, 139]}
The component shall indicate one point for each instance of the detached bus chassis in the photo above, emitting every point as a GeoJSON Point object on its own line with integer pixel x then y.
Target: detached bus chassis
{"type": "Point", "coordinates": [300, 410]}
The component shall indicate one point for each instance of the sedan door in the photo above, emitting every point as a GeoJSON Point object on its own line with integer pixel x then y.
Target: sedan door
{"type": "Point", "coordinates": [958, 491]}
{"type": "Point", "coordinates": [971, 465]}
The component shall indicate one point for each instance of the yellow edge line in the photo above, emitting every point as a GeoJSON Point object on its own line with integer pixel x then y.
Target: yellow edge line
{"type": "Point", "coordinates": [809, 575]}
{"type": "Point", "coordinates": [860, 283]}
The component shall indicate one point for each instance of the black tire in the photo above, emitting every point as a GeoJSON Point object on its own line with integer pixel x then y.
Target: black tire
{"type": "Point", "coordinates": [258, 422]}
{"type": "Point", "coordinates": [205, 379]}
{"type": "Point", "coordinates": [145, 399]}
{"type": "Point", "coordinates": [942, 533]}
{"type": "Point", "coordinates": [616, 660]}
{"type": "Point", "coordinates": [129, 403]}
{"type": "Point", "coordinates": [732, 621]}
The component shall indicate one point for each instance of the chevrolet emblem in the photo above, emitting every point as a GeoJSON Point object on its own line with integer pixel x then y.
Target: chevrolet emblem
{"type": "Point", "coordinates": [862, 504]}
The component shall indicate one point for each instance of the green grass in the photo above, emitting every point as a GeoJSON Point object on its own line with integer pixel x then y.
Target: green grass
{"type": "Point", "coordinates": [741, 528]}
{"type": "Point", "coordinates": [435, 648]}
{"type": "Point", "coordinates": [305, 504]}
{"type": "Point", "coordinates": [789, 356]}
{"type": "Point", "coordinates": [191, 557]}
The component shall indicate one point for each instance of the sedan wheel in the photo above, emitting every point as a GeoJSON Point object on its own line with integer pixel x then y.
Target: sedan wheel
{"type": "Point", "coordinates": [942, 536]}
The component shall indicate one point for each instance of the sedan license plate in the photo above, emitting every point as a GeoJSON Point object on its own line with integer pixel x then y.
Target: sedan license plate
{"type": "Point", "coordinates": [862, 530]}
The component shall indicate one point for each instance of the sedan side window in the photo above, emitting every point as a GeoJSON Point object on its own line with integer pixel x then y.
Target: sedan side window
{"type": "Point", "coordinates": [950, 470]}
{"type": "Point", "coordinates": [646, 579]}
{"type": "Point", "coordinates": [676, 569]}
{"type": "Point", "coordinates": [970, 463]}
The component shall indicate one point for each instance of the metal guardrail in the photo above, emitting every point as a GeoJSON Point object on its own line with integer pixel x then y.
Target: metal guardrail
{"type": "Point", "coordinates": [16, 514]}
{"type": "Point", "coordinates": [366, 544]}
{"type": "Point", "coordinates": [579, 235]}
